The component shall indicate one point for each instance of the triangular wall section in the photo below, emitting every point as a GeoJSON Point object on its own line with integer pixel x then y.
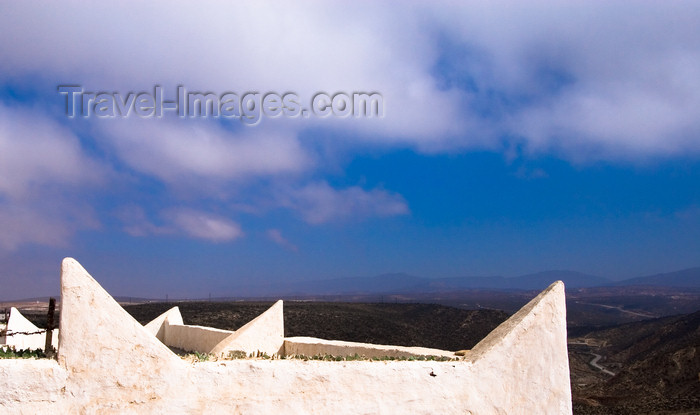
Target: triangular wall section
{"type": "Point", "coordinates": [264, 334]}
{"type": "Point", "coordinates": [524, 362]}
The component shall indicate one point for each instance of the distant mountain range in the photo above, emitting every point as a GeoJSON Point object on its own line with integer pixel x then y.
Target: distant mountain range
{"type": "Point", "coordinates": [400, 283]}
{"type": "Point", "coordinates": [688, 278]}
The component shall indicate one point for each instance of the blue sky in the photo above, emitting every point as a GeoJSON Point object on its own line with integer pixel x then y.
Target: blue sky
{"type": "Point", "coordinates": [517, 137]}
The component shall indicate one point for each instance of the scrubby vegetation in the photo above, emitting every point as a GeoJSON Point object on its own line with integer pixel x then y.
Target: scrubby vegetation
{"type": "Point", "coordinates": [11, 353]}
{"type": "Point", "coordinates": [237, 354]}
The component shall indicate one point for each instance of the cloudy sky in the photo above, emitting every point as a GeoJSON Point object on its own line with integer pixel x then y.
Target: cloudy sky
{"type": "Point", "coordinates": [516, 137]}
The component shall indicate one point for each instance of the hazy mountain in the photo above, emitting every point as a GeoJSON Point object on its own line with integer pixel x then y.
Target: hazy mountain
{"type": "Point", "coordinates": [541, 280]}
{"type": "Point", "coordinates": [398, 283]}
{"type": "Point", "coordinates": [402, 283]}
{"type": "Point", "coordinates": [685, 278]}
{"type": "Point", "coordinates": [537, 281]}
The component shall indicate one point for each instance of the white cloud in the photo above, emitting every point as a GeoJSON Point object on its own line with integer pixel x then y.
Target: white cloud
{"type": "Point", "coordinates": [42, 168]}
{"type": "Point", "coordinates": [583, 80]}
{"type": "Point", "coordinates": [204, 225]}
{"type": "Point", "coordinates": [632, 69]}
{"type": "Point", "coordinates": [265, 46]}
{"type": "Point", "coordinates": [275, 235]}
{"type": "Point", "coordinates": [50, 223]}
{"type": "Point", "coordinates": [180, 221]}
{"type": "Point", "coordinates": [36, 151]}
{"type": "Point", "coordinates": [320, 203]}
{"type": "Point", "coordinates": [178, 151]}
{"type": "Point", "coordinates": [588, 80]}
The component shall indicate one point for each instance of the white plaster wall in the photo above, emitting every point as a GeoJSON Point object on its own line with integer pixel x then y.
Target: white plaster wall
{"type": "Point", "coordinates": [310, 346]}
{"type": "Point", "coordinates": [530, 347]}
{"type": "Point", "coordinates": [29, 386]}
{"type": "Point", "coordinates": [33, 341]}
{"type": "Point", "coordinates": [110, 364]}
{"type": "Point", "coordinates": [157, 325]}
{"type": "Point", "coordinates": [193, 338]}
{"type": "Point", "coordinates": [113, 361]}
{"type": "Point", "coordinates": [19, 324]}
{"type": "Point", "coordinates": [170, 329]}
{"type": "Point", "coordinates": [264, 334]}
{"type": "Point", "coordinates": [298, 387]}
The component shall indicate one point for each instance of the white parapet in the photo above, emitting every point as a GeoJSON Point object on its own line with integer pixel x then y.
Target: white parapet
{"type": "Point", "coordinates": [110, 364]}
{"type": "Point", "coordinates": [311, 346]}
{"type": "Point", "coordinates": [194, 338]}
{"type": "Point", "coordinates": [170, 329]}
{"type": "Point", "coordinates": [157, 325]}
{"type": "Point", "coordinates": [263, 334]}
{"type": "Point", "coordinates": [18, 325]}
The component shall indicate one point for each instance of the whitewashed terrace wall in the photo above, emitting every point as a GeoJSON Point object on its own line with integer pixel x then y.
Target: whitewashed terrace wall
{"type": "Point", "coordinates": [109, 364]}
{"type": "Point", "coordinates": [157, 326]}
{"type": "Point", "coordinates": [193, 338]}
{"type": "Point", "coordinates": [311, 346]}
{"type": "Point", "coordinates": [17, 323]}
{"type": "Point", "coordinates": [263, 334]}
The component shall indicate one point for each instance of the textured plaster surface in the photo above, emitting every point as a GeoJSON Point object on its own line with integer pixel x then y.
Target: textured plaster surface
{"type": "Point", "coordinates": [529, 347]}
{"type": "Point", "coordinates": [28, 386]}
{"type": "Point", "coordinates": [310, 346]}
{"type": "Point", "coordinates": [263, 334]}
{"type": "Point", "coordinates": [110, 364]}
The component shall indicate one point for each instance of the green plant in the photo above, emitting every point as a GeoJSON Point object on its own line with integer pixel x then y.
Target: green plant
{"type": "Point", "coordinates": [201, 357]}
{"type": "Point", "coordinates": [11, 353]}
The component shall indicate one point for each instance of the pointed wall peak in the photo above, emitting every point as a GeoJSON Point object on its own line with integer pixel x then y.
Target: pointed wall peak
{"type": "Point", "coordinates": [18, 322]}
{"type": "Point", "coordinates": [264, 334]}
{"type": "Point", "coordinates": [524, 362]}
{"type": "Point", "coordinates": [551, 299]}
{"type": "Point", "coordinates": [98, 336]}
{"type": "Point", "coordinates": [157, 325]}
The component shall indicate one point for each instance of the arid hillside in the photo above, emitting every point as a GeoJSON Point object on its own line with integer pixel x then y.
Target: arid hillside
{"type": "Point", "coordinates": [656, 366]}
{"type": "Point", "coordinates": [426, 325]}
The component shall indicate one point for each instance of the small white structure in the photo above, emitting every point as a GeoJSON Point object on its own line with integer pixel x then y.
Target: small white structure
{"type": "Point", "coordinates": [35, 338]}
{"type": "Point", "coordinates": [108, 363]}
